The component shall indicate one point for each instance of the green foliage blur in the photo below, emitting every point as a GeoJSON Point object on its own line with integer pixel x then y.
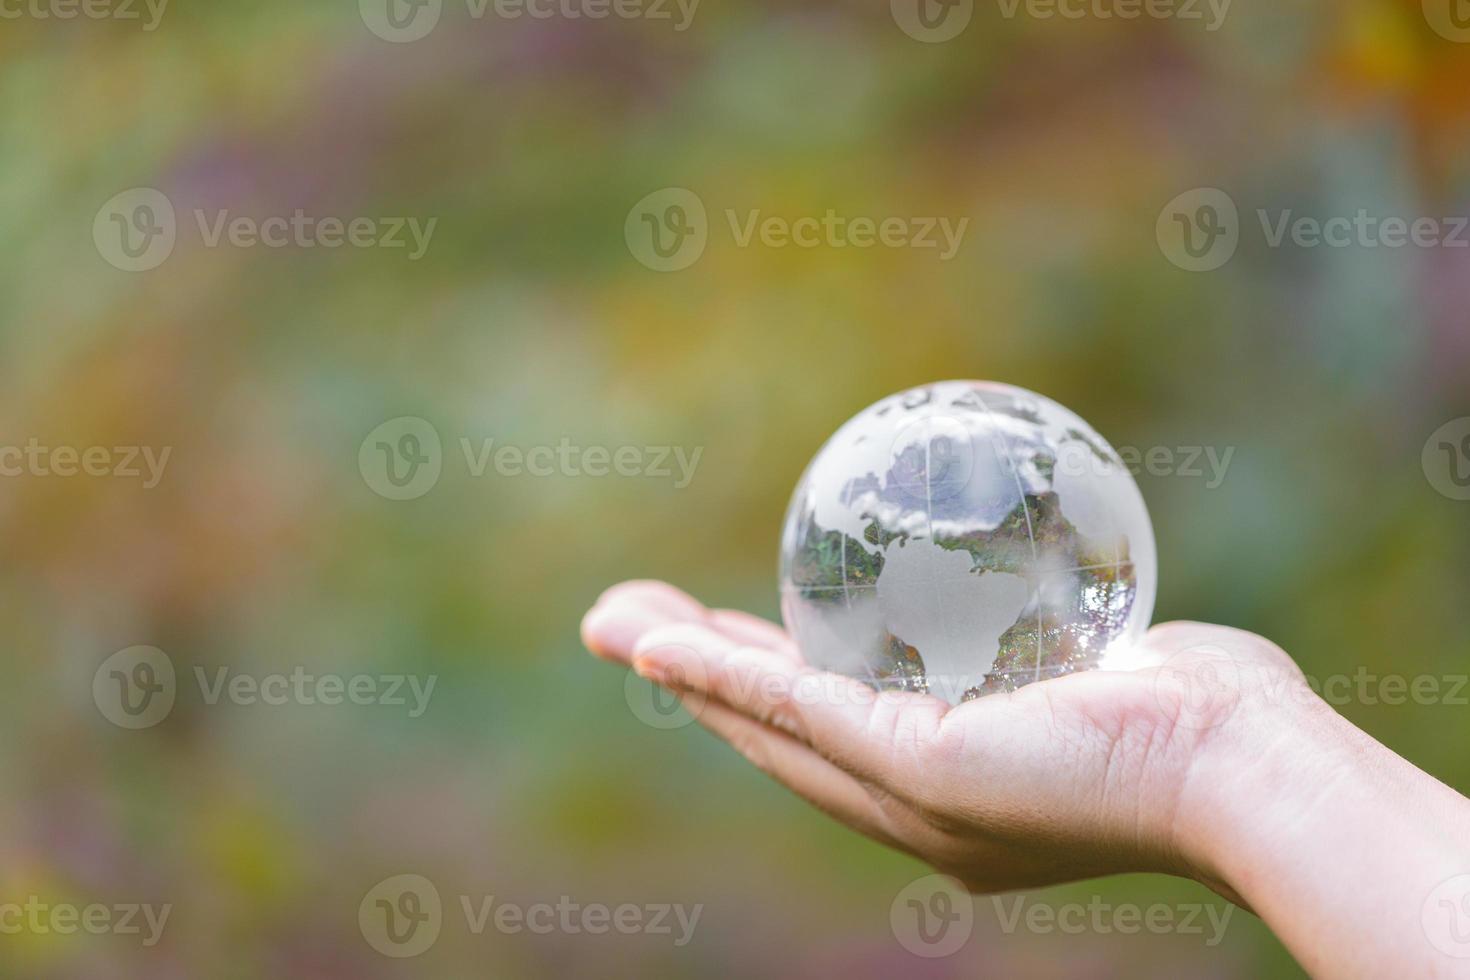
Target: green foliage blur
{"type": "Point", "coordinates": [529, 321]}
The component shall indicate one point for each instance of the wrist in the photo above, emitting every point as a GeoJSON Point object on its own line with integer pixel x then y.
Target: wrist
{"type": "Point", "coordinates": [1326, 834]}
{"type": "Point", "coordinates": [1265, 766]}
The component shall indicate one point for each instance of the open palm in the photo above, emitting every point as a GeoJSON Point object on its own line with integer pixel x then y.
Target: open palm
{"type": "Point", "coordinates": [1069, 778]}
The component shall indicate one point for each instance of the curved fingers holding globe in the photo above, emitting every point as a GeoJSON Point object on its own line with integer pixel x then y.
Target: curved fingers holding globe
{"type": "Point", "coordinates": [671, 636]}
{"type": "Point", "coordinates": [1003, 792]}
{"type": "Point", "coordinates": [877, 736]}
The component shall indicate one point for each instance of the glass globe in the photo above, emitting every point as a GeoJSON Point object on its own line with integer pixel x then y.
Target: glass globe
{"type": "Point", "coordinates": [965, 538]}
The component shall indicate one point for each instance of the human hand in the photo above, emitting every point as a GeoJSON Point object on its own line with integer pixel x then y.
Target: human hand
{"type": "Point", "coordinates": [1076, 777]}
{"type": "Point", "coordinates": [1211, 758]}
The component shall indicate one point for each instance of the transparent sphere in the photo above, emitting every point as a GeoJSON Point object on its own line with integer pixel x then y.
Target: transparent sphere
{"type": "Point", "coordinates": [965, 538]}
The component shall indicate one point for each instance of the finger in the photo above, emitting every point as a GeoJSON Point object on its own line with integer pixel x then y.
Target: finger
{"type": "Point", "coordinates": [801, 770]}
{"type": "Point", "coordinates": [743, 628]}
{"type": "Point", "coordinates": [627, 611]}
{"type": "Point", "coordinates": [883, 738]}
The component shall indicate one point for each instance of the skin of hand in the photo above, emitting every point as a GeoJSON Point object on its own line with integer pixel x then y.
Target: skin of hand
{"type": "Point", "coordinates": [1209, 758]}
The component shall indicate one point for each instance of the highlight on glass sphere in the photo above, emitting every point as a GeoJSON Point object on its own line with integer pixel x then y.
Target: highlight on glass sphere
{"type": "Point", "coordinates": [966, 538]}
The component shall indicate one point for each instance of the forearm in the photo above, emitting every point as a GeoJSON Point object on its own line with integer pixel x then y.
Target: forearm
{"type": "Point", "coordinates": [1337, 843]}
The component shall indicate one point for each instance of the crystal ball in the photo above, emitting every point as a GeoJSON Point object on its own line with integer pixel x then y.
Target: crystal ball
{"type": "Point", "coordinates": [965, 538]}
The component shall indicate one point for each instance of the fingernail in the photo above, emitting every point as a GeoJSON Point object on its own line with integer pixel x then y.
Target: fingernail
{"type": "Point", "coordinates": [648, 669]}
{"type": "Point", "coordinates": [613, 631]}
{"type": "Point", "coordinates": [669, 664]}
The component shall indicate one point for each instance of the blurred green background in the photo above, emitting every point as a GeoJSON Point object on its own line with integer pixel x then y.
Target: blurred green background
{"type": "Point", "coordinates": [530, 319]}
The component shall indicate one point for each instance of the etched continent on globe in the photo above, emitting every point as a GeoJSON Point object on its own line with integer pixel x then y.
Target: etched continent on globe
{"type": "Point", "coordinates": [965, 538]}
